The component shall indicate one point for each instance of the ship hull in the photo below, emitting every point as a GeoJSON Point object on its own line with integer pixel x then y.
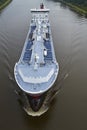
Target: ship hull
{"type": "Point", "coordinates": [36, 109]}
{"type": "Point", "coordinates": [37, 69]}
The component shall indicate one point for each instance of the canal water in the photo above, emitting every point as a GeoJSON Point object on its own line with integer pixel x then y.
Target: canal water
{"type": "Point", "coordinates": [69, 30]}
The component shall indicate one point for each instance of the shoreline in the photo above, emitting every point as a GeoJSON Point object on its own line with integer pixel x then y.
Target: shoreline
{"type": "Point", "coordinates": [76, 8]}
{"type": "Point", "coordinates": [5, 4]}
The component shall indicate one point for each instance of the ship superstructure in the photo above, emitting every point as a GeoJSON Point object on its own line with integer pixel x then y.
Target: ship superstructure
{"type": "Point", "coordinates": [37, 69]}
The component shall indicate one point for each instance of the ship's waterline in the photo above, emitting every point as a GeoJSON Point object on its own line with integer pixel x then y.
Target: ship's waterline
{"type": "Point", "coordinates": [68, 110]}
{"type": "Point", "coordinates": [37, 55]}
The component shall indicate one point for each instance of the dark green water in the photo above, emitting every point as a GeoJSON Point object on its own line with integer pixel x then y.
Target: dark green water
{"type": "Point", "coordinates": [69, 110]}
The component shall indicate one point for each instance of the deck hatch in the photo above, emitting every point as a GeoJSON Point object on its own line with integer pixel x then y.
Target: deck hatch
{"type": "Point", "coordinates": [47, 45]}
{"type": "Point", "coordinates": [27, 55]}
{"type": "Point", "coordinates": [49, 56]}
{"type": "Point", "coordinates": [29, 44]}
{"type": "Point", "coordinates": [32, 28]}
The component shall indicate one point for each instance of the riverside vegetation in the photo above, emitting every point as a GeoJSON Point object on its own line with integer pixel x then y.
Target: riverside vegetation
{"type": "Point", "coordinates": [79, 6]}
{"type": "Point", "coordinates": [4, 3]}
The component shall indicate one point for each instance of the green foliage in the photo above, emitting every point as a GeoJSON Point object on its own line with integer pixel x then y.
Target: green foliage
{"type": "Point", "coordinates": [4, 3]}
{"type": "Point", "coordinates": [79, 2]}
{"type": "Point", "coordinates": [79, 6]}
{"type": "Point", "coordinates": [75, 2]}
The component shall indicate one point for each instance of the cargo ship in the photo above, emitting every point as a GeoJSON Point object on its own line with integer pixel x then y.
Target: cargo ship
{"type": "Point", "coordinates": [37, 68]}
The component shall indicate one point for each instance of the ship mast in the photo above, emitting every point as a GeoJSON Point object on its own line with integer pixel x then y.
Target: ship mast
{"type": "Point", "coordinates": [41, 6]}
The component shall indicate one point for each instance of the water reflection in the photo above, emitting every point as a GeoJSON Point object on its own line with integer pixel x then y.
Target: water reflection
{"type": "Point", "coordinates": [69, 32]}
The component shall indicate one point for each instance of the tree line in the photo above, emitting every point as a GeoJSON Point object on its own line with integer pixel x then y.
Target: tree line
{"type": "Point", "coordinates": [79, 2]}
{"type": "Point", "coordinates": [2, 1]}
{"type": "Point", "coordinates": [75, 2]}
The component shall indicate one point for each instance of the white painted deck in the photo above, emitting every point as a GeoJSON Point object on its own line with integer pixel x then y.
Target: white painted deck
{"type": "Point", "coordinates": [37, 68]}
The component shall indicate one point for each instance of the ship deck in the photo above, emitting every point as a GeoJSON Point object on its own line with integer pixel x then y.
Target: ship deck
{"type": "Point", "coordinates": [37, 68]}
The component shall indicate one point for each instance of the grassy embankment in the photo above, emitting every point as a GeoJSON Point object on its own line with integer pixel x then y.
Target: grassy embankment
{"type": "Point", "coordinates": [4, 3]}
{"type": "Point", "coordinates": [81, 9]}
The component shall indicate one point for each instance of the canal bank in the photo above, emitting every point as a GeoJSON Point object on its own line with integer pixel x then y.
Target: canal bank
{"type": "Point", "coordinates": [4, 4]}
{"type": "Point", "coordinates": [69, 109]}
{"type": "Point", "coordinates": [77, 8]}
